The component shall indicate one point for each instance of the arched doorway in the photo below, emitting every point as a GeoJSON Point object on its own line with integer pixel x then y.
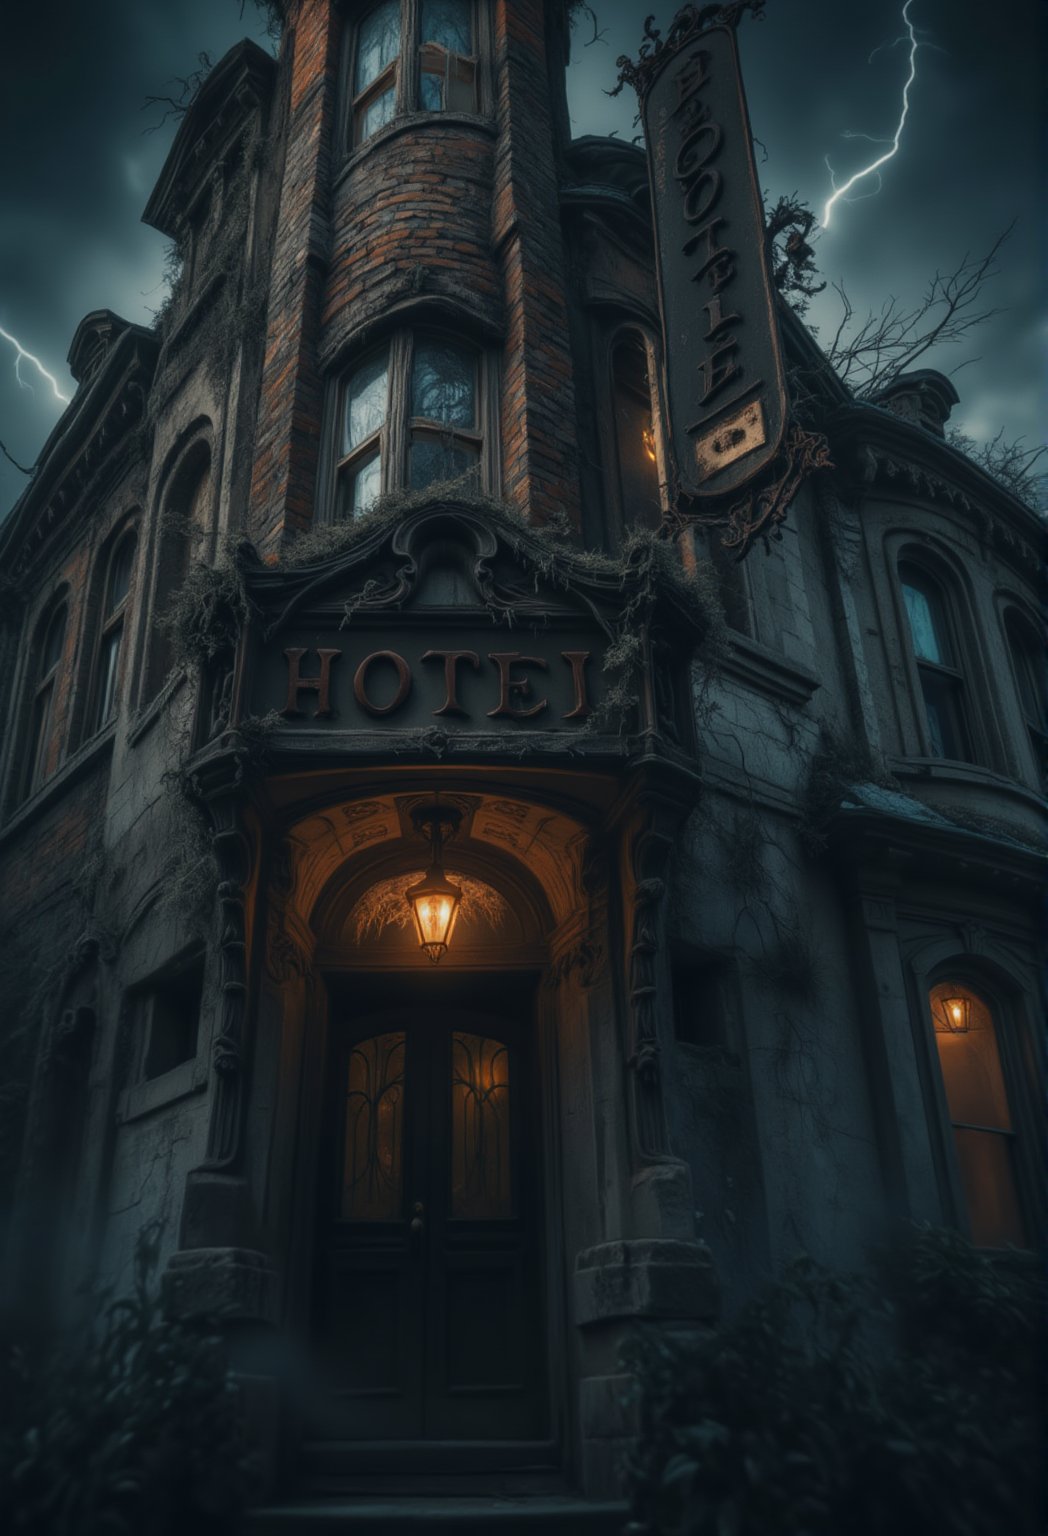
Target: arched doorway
{"type": "Point", "coordinates": [429, 1093]}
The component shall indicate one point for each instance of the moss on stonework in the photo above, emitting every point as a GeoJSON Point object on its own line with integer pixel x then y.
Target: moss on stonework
{"type": "Point", "coordinates": [206, 614]}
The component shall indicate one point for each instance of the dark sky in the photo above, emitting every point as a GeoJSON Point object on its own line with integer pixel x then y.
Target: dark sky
{"type": "Point", "coordinates": [76, 167]}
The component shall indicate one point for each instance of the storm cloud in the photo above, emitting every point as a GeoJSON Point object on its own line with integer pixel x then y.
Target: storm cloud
{"type": "Point", "coordinates": [76, 167]}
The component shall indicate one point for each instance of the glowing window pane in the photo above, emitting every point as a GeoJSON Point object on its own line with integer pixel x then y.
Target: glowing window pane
{"type": "Point", "coordinates": [481, 1187]}
{"type": "Point", "coordinates": [373, 1145]}
{"type": "Point", "coordinates": [979, 1111]}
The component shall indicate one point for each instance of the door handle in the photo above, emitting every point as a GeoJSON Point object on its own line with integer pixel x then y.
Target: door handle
{"type": "Point", "coordinates": [416, 1224]}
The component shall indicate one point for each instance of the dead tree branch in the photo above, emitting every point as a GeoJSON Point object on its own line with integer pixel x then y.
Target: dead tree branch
{"type": "Point", "coordinates": [891, 340]}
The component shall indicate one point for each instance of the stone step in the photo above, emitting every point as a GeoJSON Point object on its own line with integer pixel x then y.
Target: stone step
{"type": "Point", "coordinates": [405, 1516]}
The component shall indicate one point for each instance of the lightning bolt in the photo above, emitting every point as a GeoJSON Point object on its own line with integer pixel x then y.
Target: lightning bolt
{"type": "Point", "coordinates": [873, 169]}
{"type": "Point", "coordinates": [22, 354]}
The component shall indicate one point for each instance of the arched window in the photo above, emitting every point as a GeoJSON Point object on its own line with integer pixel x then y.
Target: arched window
{"type": "Point", "coordinates": [980, 1115]}
{"type": "Point", "coordinates": [39, 761]}
{"type": "Point", "coordinates": [111, 636]}
{"type": "Point", "coordinates": [409, 414]}
{"type": "Point", "coordinates": [441, 34]}
{"type": "Point", "coordinates": [1028, 664]}
{"type": "Point", "coordinates": [936, 653]}
{"type": "Point", "coordinates": [634, 417]}
{"type": "Point", "coordinates": [183, 524]}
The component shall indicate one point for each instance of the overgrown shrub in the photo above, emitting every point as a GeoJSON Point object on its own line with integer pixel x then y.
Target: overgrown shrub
{"type": "Point", "coordinates": [838, 1405]}
{"type": "Point", "coordinates": [131, 1428]}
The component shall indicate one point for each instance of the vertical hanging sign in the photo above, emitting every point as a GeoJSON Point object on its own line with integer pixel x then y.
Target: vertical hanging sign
{"type": "Point", "coordinates": [725, 385]}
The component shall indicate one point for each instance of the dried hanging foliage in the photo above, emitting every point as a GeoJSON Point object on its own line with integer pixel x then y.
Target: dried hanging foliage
{"type": "Point", "coordinates": [385, 904]}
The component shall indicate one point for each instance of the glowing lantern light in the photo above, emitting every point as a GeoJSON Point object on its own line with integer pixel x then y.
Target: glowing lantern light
{"type": "Point", "coordinates": [434, 900]}
{"type": "Point", "coordinates": [954, 1015]}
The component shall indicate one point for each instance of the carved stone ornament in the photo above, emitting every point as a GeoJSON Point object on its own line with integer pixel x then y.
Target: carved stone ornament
{"type": "Point", "coordinates": [690, 22]}
{"type": "Point", "coordinates": [218, 782]}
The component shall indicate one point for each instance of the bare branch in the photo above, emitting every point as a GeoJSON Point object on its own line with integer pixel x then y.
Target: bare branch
{"type": "Point", "coordinates": [1011, 463]}
{"type": "Point", "coordinates": [188, 85]}
{"type": "Point", "coordinates": [892, 340]}
{"type": "Point", "coordinates": [14, 461]}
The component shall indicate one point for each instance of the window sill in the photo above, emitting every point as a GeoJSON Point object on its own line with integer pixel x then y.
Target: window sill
{"type": "Point", "coordinates": [759, 667]}
{"type": "Point", "coordinates": [146, 718]}
{"type": "Point", "coordinates": [405, 124]}
{"type": "Point", "coordinates": [145, 1098]}
{"type": "Point", "coordinates": [81, 761]}
{"type": "Point", "coordinates": [945, 770]}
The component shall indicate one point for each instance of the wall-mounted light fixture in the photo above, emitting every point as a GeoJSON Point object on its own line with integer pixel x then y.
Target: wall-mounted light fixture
{"type": "Point", "coordinates": [434, 900]}
{"type": "Point", "coordinates": [952, 1015]}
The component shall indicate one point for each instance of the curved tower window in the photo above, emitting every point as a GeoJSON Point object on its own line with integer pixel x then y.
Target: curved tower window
{"type": "Point", "coordinates": [447, 56]}
{"type": "Point", "coordinates": [111, 640]}
{"type": "Point", "coordinates": [375, 68]}
{"type": "Point", "coordinates": [365, 409]}
{"type": "Point", "coordinates": [935, 652]}
{"type": "Point", "coordinates": [444, 440]}
{"type": "Point", "coordinates": [409, 415]}
{"type": "Point", "coordinates": [440, 35]}
{"type": "Point", "coordinates": [48, 655]}
{"type": "Point", "coordinates": [980, 1117]}
{"type": "Point", "coordinates": [632, 404]}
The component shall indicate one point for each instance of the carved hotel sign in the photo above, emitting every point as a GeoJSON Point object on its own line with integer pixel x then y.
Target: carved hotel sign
{"type": "Point", "coordinates": [724, 374]}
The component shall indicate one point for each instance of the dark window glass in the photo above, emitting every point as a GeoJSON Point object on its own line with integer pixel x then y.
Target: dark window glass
{"type": "Point", "coordinates": [184, 521]}
{"type": "Point", "coordinates": [942, 684]}
{"type": "Point", "coordinates": [410, 416]}
{"type": "Point", "coordinates": [118, 584]}
{"type": "Point", "coordinates": [447, 72]}
{"type": "Point", "coordinates": [443, 384]}
{"type": "Point", "coordinates": [635, 433]}
{"type": "Point", "coordinates": [173, 1012]}
{"type": "Point", "coordinates": [1028, 660]}
{"type": "Point", "coordinates": [378, 44]}
{"type": "Point", "coordinates": [364, 415]}
{"type": "Point", "coordinates": [375, 70]}
{"type": "Point", "coordinates": [41, 715]}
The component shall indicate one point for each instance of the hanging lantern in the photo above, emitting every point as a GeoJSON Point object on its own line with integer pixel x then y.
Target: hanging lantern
{"type": "Point", "coordinates": [953, 1015]}
{"type": "Point", "coordinates": [434, 900]}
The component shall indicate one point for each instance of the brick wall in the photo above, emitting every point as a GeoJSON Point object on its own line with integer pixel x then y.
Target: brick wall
{"type": "Point", "coordinates": [288, 434]}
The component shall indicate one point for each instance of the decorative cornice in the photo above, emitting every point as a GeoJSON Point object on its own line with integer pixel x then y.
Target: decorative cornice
{"type": "Point", "coordinates": [85, 452]}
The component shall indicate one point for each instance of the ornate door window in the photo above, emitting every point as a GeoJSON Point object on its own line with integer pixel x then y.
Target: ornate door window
{"type": "Point", "coordinates": [427, 1300]}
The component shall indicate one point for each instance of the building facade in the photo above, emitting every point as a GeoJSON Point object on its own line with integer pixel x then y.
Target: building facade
{"type": "Point", "coordinates": [368, 535]}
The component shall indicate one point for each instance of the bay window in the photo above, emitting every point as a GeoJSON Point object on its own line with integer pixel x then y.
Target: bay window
{"type": "Point", "coordinates": [410, 414]}
{"type": "Point", "coordinates": [413, 56]}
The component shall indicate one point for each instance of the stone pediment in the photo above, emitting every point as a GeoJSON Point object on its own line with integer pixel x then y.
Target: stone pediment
{"type": "Point", "coordinates": [456, 620]}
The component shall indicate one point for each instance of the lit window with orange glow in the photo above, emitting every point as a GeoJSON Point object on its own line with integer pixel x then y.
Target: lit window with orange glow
{"type": "Point", "coordinates": [634, 422]}
{"type": "Point", "coordinates": [980, 1115]}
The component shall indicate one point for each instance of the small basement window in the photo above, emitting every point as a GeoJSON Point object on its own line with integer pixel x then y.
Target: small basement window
{"type": "Point", "coordinates": [170, 1017]}
{"type": "Point", "coordinates": [703, 1013]}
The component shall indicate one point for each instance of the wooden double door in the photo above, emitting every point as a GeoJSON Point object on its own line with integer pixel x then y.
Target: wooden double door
{"type": "Point", "coordinates": [428, 1301]}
